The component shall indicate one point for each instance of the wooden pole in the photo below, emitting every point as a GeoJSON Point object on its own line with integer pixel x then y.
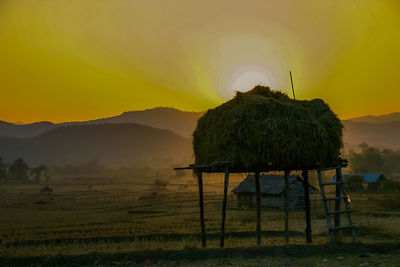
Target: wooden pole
{"type": "Point", "coordinates": [307, 206]}
{"type": "Point", "coordinates": [226, 185]}
{"type": "Point", "coordinates": [291, 81]}
{"type": "Point", "coordinates": [201, 204]}
{"type": "Point", "coordinates": [258, 203]}
{"type": "Point", "coordinates": [287, 206]}
{"type": "Point", "coordinates": [337, 201]}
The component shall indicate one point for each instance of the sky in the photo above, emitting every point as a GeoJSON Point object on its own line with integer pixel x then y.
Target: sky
{"type": "Point", "coordinates": [66, 60]}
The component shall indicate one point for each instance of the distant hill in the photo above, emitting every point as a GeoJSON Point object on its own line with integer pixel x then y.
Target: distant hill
{"type": "Point", "coordinates": [383, 135]}
{"type": "Point", "coordinates": [25, 130]}
{"type": "Point", "coordinates": [177, 121]}
{"type": "Point", "coordinates": [392, 117]}
{"type": "Point", "coordinates": [113, 144]}
{"type": "Point", "coordinates": [382, 131]}
{"type": "Point", "coordinates": [180, 122]}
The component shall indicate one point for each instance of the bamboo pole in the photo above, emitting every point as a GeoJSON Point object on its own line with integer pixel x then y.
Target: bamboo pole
{"type": "Point", "coordinates": [287, 206]}
{"type": "Point", "coordinates": [307, 206]}
{"type": "Point", "coordinates": [291, 81]}
{"type": "Point", "coordinates": [337, 201]}
{"type": "Point", "coordinates": [226, 185]}
{"type": "Point", "coordinates": [201, 204]}
{"type": "Point", "coordinates": [258, 203]}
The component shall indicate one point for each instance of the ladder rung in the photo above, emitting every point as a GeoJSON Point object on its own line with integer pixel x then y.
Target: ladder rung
{"type": "Point", "coordinates": [334, 183]}
{"type": "Point", "coordinates": [334, 198]}
{"type": "Point", "coordinates": [338, 211]}
{"type": "Point", "coordinates": [341, 228]}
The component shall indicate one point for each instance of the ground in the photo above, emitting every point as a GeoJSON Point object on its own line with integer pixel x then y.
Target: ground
{"type": "Point", "coordinates": [108, 222]}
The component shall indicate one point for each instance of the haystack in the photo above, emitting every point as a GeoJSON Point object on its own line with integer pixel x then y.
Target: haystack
{"type": "Point", "coordinates": [265, 130]}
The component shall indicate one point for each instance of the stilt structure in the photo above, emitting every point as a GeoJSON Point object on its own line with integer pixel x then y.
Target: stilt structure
{"type": "Point", "coordinates": [201, 205]}
{"type": "Point", "coordinates": [258, 203]}
{"type": "Point", "coordinates": [223, 167]}
{"type": "Point", "coordinates": [226, 185]}
{"type": "Point", "coordinates": [307, 207]}
{"type": "Point", "coordinates": [287, 206]}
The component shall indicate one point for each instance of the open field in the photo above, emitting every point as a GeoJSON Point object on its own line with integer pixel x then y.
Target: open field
{"type": "Point", "coordinates": [121, 223]}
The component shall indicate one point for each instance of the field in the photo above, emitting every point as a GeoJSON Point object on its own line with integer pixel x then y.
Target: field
{"type": "Point", "coordinates": [93, 221]}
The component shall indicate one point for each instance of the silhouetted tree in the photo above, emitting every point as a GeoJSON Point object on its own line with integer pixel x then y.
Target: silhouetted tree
{"type": "Point", "coordinates": [3, 171]}
{"type": "Point", "coordinates": [18, 171]}
{"type": "Point", "coordinates": [39, 172]}
{"type": "Point", "coordinates": [372, 159]}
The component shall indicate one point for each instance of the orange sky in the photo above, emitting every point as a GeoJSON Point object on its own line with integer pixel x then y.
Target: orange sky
{"type": "Point", "coordinates": [84, 59]}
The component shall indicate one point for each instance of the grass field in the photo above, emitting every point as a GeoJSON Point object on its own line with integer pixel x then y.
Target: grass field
{"type": "Point", "coordinates": [118, 223]}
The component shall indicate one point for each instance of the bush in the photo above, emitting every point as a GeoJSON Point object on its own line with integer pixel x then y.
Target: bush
{"type": "Point", "coordinates": [390, 186]}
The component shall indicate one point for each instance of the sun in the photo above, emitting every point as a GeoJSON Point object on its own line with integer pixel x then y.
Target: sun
{"type": "Point", "coordinates": [248, 79]}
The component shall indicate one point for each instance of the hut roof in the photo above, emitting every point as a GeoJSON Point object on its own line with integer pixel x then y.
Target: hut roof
{"type": "Point", "coordinates": [368, 177]}
{"type": "Point", "coordinates": [269, 184]}
{"type": "Point", "coordinates": [265, 130]}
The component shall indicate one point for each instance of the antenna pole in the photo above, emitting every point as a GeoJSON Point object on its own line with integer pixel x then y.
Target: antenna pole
{"type": "Point", "coordinates": [291, 81]}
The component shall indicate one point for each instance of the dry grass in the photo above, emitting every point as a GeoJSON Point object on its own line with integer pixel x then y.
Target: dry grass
{"type": "Point", "coordinates": [114, 220]}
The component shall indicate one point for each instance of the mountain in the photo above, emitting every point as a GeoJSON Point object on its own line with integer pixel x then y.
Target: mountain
{"type": "Point", "coordinates": [113, 144]}
{"type": "Point", "coordinates": [383, 135]}
{"type": "Point", "coordinates": [392, 117]}
{"type": "Point", "coordinates": [177, 121]}
{"type": "Point", "coordinates": [180, 122]}
{"type": "Point", "coordinates": [382, 131]}
{"type": "Point", "coordinates": [25, 130]}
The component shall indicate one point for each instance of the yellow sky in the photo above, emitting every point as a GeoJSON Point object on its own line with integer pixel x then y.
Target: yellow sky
{"type": "Point", "coordinates": [83, 59]}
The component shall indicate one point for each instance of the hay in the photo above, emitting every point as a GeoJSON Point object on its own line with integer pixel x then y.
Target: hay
{"type": "Point", "coordinates": [266, 130]}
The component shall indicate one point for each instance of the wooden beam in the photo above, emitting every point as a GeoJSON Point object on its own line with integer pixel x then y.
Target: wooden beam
{"type": "Point", "coordinates": [337, 201]}
{"type": "Point", "coordinates": [201, 204]}
{"type": "Point", "coordinates": [258, 203]}
{"type": "Point", "coordinates": [287, 206]}
{"type": "Point", "coordinates": [226, 185]}
{"type": "Point", "coordinates": [307, 205]}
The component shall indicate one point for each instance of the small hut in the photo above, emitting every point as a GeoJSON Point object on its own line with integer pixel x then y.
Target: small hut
{"type": "Point", "coordinates": [373, 181]}
{"type": "Point", "coordinates": [272, 187]}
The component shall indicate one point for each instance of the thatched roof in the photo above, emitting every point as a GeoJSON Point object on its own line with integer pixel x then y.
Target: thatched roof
{"type": "Point", "coordinates": [266, 130]}
{"type": "Point", "coordinates": [271, 184]}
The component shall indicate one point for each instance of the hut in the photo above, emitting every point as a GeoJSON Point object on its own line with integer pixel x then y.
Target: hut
{"type": "Point", "coordinates": [373, 181]}
{"type": "Point", "coordinates": [272, 187]}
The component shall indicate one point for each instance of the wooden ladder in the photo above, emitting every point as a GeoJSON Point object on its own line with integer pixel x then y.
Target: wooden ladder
{"type": "Point", "coordinates": [340, 195]}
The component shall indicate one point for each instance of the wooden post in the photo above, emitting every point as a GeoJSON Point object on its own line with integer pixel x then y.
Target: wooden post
{"type": "Point", "coordinates": [258, 203]}
{"type": "Point", "coordinates": [201, 204]}
{"type": "Point", "coordinates": [287, 206]}
{"type": "Point", "coordinates": [337, 201]}
{"type": "Point", "coordinates": [307, 206]}
{"type": "Point", "coordinates": [226, 185]}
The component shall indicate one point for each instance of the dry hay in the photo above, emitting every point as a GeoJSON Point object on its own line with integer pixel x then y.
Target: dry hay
{"type": "Point", "coordinates": [264, 129]}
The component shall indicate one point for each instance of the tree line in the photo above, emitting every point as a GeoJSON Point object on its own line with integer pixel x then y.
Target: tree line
{"type": "Point", "coordinates": [20, 172]}
{"type": "Point", "coordinates": [375, 160]}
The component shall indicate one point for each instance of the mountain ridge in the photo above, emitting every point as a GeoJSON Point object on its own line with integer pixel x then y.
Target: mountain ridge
{"type": "Point", "coordinates": [113, 144]}
{"type": "Point", "coordinates": [175, 120]}
{"type": "Point", "coordinates": [383, 131]}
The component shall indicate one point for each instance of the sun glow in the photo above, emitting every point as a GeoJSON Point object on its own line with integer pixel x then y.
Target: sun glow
{"type": "Point", "coordinates": [246, 80]}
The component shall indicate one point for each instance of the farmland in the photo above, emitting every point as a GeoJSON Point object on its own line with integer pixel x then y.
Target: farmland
{"type": "Point", "coordinates": [107, 221]}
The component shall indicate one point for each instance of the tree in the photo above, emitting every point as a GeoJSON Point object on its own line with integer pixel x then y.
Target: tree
{"type": "Point", "coordinates": [38, 172]}
{"type": "Point", "coordinates": [3, 170]}
{"type": "Point", "coordinates": [392, 162]}
{"type": "Point", "coordinates": [19, 171]}
{"type": "Point", "coordinates": [369, 160]}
